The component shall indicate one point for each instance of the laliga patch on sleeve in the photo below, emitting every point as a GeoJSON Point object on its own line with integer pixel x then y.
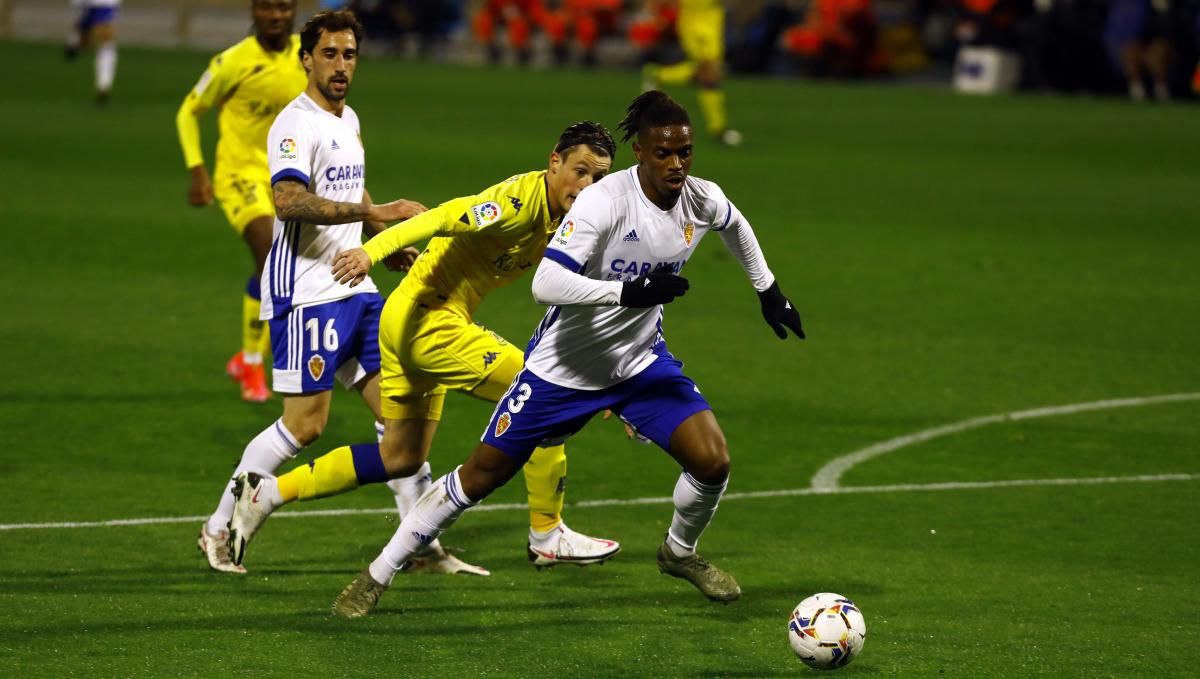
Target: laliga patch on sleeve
{"type": "Point", "coordinates": [486, 214]}
{"type": "Point", "coordinates": [203, 84]}
{"type": "Point", "coordinates": [287, 148]}
{"type": "Point", "coordinates": [564, 232]}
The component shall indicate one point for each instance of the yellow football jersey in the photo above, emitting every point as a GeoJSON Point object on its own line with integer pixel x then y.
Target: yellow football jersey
{"type": "Point", "coordinates": [483, 242]}
{"type": "Point", "coordinates": [251, 86]}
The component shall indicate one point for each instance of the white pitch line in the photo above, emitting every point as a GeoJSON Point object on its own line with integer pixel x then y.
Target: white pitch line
{"type": "Point", "coordinates": [750, 495]}
{"type": "Point", "coordinates": [828, 477]}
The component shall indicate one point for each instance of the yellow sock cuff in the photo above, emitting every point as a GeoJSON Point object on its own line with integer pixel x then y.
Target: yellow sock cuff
{"type": "Point", "coordinates": [542, 522]}
{"type": "Point", "coordinates": [677, 74]}
{"type": "Point", "coordinates": [330, 474]}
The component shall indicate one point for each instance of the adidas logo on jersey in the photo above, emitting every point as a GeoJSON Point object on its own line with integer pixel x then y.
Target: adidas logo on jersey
{"type": "Point", "coordinates": [335, 146]}
{"type": "Point", "coordinates": [631, 237]}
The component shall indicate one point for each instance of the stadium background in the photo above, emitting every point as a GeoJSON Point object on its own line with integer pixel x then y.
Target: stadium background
{"type": "Point", "coordinates": [953, 257]}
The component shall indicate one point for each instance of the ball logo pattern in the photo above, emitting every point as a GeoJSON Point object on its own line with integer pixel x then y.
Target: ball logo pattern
{"type": "Point", "coordinates": [827, 630]}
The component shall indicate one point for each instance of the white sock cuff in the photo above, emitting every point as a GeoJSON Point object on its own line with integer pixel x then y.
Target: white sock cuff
{"type": "Point", "coordinates": [287, 436]}
{"type": "Point", "coordinates": [706, 488]}
{"type": "Point", "coordinates": [379, 429]}
{"type": "Point", "coordinates": [454, 490]}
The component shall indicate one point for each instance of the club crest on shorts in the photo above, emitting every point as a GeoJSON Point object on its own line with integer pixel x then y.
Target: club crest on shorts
{"type": "Point", "coordinates": [689, 230]}
{"type": "Point", "coordinates": [502, 424]}
{"type": "Point", "coordinates": [316, 366]}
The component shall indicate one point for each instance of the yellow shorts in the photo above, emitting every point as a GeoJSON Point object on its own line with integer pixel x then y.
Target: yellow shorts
{"type": "Point", "coordinates": [426, 350]}
{"type": "Point", "coordinates": [702, 34]}
{"type": "Point", "coordinates": [245, 195]}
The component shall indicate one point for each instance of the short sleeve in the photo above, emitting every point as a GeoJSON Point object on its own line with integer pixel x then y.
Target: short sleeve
{"type": "Point", "coordinates": [291, 148]}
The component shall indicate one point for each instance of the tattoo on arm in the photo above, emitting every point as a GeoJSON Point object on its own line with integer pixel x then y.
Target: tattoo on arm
{"type": "Point", "coordinates": [294, 203]}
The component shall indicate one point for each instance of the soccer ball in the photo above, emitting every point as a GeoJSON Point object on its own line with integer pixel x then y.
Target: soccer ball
{"type": "Point", "coordinates": [826, 631]}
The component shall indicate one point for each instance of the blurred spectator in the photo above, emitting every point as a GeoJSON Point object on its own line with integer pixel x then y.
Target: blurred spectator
{"type": "Point", "coordinates": [388, 21]}
{"type": "Point", "coordinates": [586, 19]}
{"type": "Point", "coordinates": [838, 38]}
{"type": "Point", "coordinates": [1137, 37]}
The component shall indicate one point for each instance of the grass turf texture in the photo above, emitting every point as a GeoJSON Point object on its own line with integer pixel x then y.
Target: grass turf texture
{"type": "Point", "coordinates": [952, 257]}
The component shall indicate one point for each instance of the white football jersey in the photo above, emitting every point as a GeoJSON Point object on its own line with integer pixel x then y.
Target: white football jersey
{"type": "Point", "coordinates": [322, 151]}
{"type": "Point", "coordinates": [614, 233]}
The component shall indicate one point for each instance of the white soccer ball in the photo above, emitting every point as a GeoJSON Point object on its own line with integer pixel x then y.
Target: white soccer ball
{"type": "Point", "coordinates": [826, 631]}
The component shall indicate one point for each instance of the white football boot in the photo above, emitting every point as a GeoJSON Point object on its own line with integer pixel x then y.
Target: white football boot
{"type": "Point", "coordinates": [563, 545]}
{"type": "Point", "coordinates": [435, 559]}
{"type": "Point", "coordinates": [250, 509]}
{"type": "Point", "coordinates": [217, 551]}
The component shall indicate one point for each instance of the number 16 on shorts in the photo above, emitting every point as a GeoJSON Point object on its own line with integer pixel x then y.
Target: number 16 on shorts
{"type": "Point", "coordinates": [312, 343]}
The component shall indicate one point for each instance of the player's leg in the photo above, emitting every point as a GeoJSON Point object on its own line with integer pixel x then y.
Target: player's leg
{"type": "Point", "coordinates": [667, 408]}
{"type": "Point", "coordinates": [247, 204]}
{"type": "Point", "coordinates": [702, 36]}
{"type": "Point", "coordinates": [551, 540]}
{"type": "Point", "coordinates": [304, 417]}
{"type": "Point", "coordinates": [531, 412]}
{"type": "Point", "coordinates": [103, 36]}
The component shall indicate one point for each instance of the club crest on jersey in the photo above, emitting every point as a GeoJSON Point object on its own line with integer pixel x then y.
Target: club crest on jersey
{"type": "Point", "coordinates": [287, 148]}
{"type": "Point", "coordinates": [316, 366]}
{"type": "Point", "coordinates": [486, 214]}
{"type": "Point", "coordinates": [564, 232]}
{"type": "Point", "coordinates": [502, 424]}
{"type": "Point", "coordinates": [689, 230]}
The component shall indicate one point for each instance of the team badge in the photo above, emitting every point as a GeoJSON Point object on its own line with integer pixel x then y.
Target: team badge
{"type": "Point", "coordinates": [689, 230]}
{"type": "Point", "coordinates": [486, 214]}
{"type": "Point", "coordinates": [502, 424]}
{"type": "Point", "coordinates": [287, 148]}
{"type": "Point", "coordinates": [564, 232]}
{"type": "Point", "coordinates": [316, 366]}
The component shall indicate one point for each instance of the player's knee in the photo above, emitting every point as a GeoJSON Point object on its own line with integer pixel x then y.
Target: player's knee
{"type": "Point", "coordinates": [710, 464]}
{"type": "Point", "coordinates": [400, 458]}
{"type": "Point", "coordinates": [307, 430]}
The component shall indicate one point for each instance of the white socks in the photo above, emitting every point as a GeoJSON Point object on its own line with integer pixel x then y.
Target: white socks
{"type": "Point", "coordinates": [106, 66]}
{"type": "Point", "coordinates": [436, 511]}
{"type": "Point", "coordinates": [695, 504]}
{"type": "Point", "coordinates": [263, 455]}
{"type": "Point", "coordinates": [409, 489]}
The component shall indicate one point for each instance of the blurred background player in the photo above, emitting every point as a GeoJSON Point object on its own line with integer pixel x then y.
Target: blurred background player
{"type": "Point", "coordinates": [97, 28]}
{"type": "Point", "coordinates": [608, 270]}
{"type": "Point", "coordinates": [321, 330]}
{"type": "Point", "coordinates": [429, 342]}
{"type": "Point", "coordinates": [700, 27]}
{"type": "Point", "coordinates": [249, 83]}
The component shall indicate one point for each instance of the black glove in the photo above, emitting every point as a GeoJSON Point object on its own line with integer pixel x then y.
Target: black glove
{"type": "Point", "coordinates": [652, 289]}
{"type": "Point", "coordinates": [779, 312]}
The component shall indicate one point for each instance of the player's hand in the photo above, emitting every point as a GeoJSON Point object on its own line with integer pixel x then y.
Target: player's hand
{"type": "Point", "coordinates": [779, 312]}
{"type": "Point", "coordinates": [200, 193]}
{"type": "Point", "coordinates": [402, 260]}
{"type": "Point", "coordinates": [629, 432]}
{"type": "Point", "coordinates": [395, 211]}
{"type": "Point", "coordinates": [351, 266]}
{"type": "Point", "coordinates": [652, 289]}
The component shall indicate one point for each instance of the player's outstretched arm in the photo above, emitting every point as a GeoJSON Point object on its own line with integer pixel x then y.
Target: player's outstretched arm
{"type": "Point", "coordinates": [295, 203]}
{"type": "Point", "coordinates": [777, 309]}
{"type": "Point", "coordinates": [554, 284]}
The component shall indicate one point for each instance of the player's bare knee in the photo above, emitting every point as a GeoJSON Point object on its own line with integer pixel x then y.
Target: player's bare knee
{"type": "Point", "coordinates": [401, 460]}
{"type": "Point", "coordinates": [709, 462]}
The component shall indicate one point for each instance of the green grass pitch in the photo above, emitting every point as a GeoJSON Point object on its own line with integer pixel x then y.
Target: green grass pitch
{"type": "Point", "coordinates": [952, 258]}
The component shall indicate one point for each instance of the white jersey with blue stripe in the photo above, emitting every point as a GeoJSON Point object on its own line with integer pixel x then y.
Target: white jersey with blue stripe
{"type": "Point", "coordinates": [614, 233]}
{"type": "Point", "coordinates": [324, 152]}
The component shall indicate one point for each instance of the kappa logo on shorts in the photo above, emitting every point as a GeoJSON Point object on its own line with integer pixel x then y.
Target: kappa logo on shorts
{"type": "Point", "coordinates": [316, 366]}
{"type": "Point", "coordinates": [502, 424]}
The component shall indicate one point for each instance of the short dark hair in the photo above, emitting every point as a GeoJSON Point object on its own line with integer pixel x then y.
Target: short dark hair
{"type": "Point", "coordinates": [652, 109]}
{"type": "Point", "coordinates": [330, 22]}
{"type": "Point", "coordinates": [586, 132]}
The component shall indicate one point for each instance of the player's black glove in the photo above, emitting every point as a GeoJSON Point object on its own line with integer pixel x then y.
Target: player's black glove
{"type": "Point", "coordinates": [779, 312]}
{"type": "Point", "coordinates": [652, 289]}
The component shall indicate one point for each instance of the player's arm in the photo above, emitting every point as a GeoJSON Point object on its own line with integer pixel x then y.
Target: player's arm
{"type": "Point", "coordinates": [739, 239]}
{"type": "Point", "coordinates": [295, 203]}
{"type": "Point", "coordinates": [455, 217]}
{"type": "Point", "coordinates": [402, 259]}
{"type": "Point", "coordinates": [211, 89]}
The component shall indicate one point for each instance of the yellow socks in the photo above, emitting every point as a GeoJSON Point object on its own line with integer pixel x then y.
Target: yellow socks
{"type": "Point", "coordinates": [545, 481]}
{"type": "Point", "coordinates": [712, 103]}
{"type": "Point", "coordinates": [333, 473]}
{"type": "Point", "coordinates": [256, 341]}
